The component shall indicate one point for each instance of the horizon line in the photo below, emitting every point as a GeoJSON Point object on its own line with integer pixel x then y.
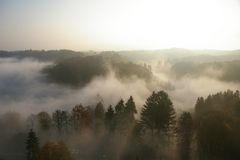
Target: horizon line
{"type": "Point", "coordinates": [122, 50]}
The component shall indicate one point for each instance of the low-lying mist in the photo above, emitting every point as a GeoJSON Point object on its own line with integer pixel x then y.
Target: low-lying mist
{"type": "Point", "coordinates": [77, 117]}
{"type": "Point", "coordinates": [24, 87]}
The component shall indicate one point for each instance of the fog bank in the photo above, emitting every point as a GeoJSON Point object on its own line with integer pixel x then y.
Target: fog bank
{"type": "Point", "coordinates": [23, 88]}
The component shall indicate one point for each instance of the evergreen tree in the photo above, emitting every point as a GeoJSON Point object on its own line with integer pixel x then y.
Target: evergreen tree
{"type": "Point", "coordinates": [76, 117]}
{"type": "Point", "coordinates": [99, 111]}
{"type": "Point", "coordinates": [130, 110]}
{"type": "Point", "coordinates": [120, 117]}
{"type": "Point", "coordinates": [60, 120]}
{"type": "Point", "coordinates": [32, 146]}
{"type": "Point", "coordinates": [199, 106]}
{"type": "Point", "coordinates": [184, 135]}
{"type": "Point", "coordinates": [99, 114]}
{"type": "Point", "coordinates": [158, 114]}
{"type": "Point", "coordinates": [217, 129]}
{"type": "Point", "coordinates": [109, 119]}
{"type": "Point", "coordinates": [119, 108]}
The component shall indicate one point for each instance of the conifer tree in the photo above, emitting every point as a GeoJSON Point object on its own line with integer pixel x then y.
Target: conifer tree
{"type": "Point", "coordinates": [109, 119]}
{"type": "Point", "coordinates": [99, 114]}
{"type": "Point", "coordinates": [32, 146]}
{"type": "Point", "coordinates": [130, 110]}
{"type": "Point", "coordinates": [184, 135]}
{"type": "Point", "coordinates": [158, 114]}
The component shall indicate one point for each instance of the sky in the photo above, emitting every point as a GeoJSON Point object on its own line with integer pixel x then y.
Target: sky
{"type": "Point", "coordinates": [119, 24]}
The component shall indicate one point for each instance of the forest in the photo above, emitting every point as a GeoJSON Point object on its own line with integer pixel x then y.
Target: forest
{"type": "Point", "coordinates": [119, 80]}
{"type": "Point", "coordinates": [209, 132]}
{"type": "Point", "coordinates": [173, 104]}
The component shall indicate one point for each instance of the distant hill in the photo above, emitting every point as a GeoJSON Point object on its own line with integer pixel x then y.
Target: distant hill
{"type": "Point", "coordinates": [176, 55]}
{"type": "Point", "coordinates": [78, 68]}
{"type": "Point", "coordinates": [228, 70]}
{"type": "Point", "coordinates": [51, 55]}
{"type": "Point", "coordinates": [79, 71]}
{"type": "Point", "coordinates": [172, 55]}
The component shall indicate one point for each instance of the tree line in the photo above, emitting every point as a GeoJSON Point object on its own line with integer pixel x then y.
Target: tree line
{"type": "Point", "coordinates": [209, 132]}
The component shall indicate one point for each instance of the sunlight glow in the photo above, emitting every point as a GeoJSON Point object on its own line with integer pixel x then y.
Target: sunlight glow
{"type": "Point", "coordinates": [134, 24]}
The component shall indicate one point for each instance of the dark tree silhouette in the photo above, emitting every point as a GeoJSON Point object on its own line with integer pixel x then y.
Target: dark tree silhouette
{"type": "Point", "coordinates": [60, 120]}
{"type": "Point", "coordinates": [215, 138]}
{"type": "Point", "coordinates": [199, 105]}
{"type": "Point", "coordinates": [184, 135]}
{"type": "Point", "coordinates": [130, 110]}
{"type": "Point", "coordinates": [227, 102]}
{"type": "Point", "coordinates": [76, 117]}
{"type": "Point", "coordinates": [99, 111]}
{"type": "Point", "coordinates": [99, 114]}
{"type": "Point", "coordinates": [109, 119]}
{"type": "Point", "coordinates": [158, 114]}
{"type": "Point", "coordinates": [210, 133]}
{"type": "Point", "coordinates": [119, 108]}
{"type": "Point", "coordinates": [120, 118]}
{"type": "Point", "coordinates": [127, 118]}
{"type": "Point", "coordinates": [32, 146]}
{"type": "Point", "coordinates": [217, 129]}
{"type": "Point", "coordinates": [80, 118]}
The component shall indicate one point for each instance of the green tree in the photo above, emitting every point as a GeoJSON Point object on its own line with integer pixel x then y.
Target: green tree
{"type": "Point", "coordinates": [32, 146]}
{"type": "Point", "coordinates": [158, 114]}
{"type": "Point", "coordinates": [184, 135]}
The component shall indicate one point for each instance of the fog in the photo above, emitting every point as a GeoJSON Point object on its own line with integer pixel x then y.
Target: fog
{"type": "Point", "coordinates": [25, 91]}
{"type": "Point", "coordinates": [24, 88]}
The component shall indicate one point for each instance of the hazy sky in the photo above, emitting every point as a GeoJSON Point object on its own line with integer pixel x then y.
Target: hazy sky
{"type": "Point", "coordinates": [119, 24]}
